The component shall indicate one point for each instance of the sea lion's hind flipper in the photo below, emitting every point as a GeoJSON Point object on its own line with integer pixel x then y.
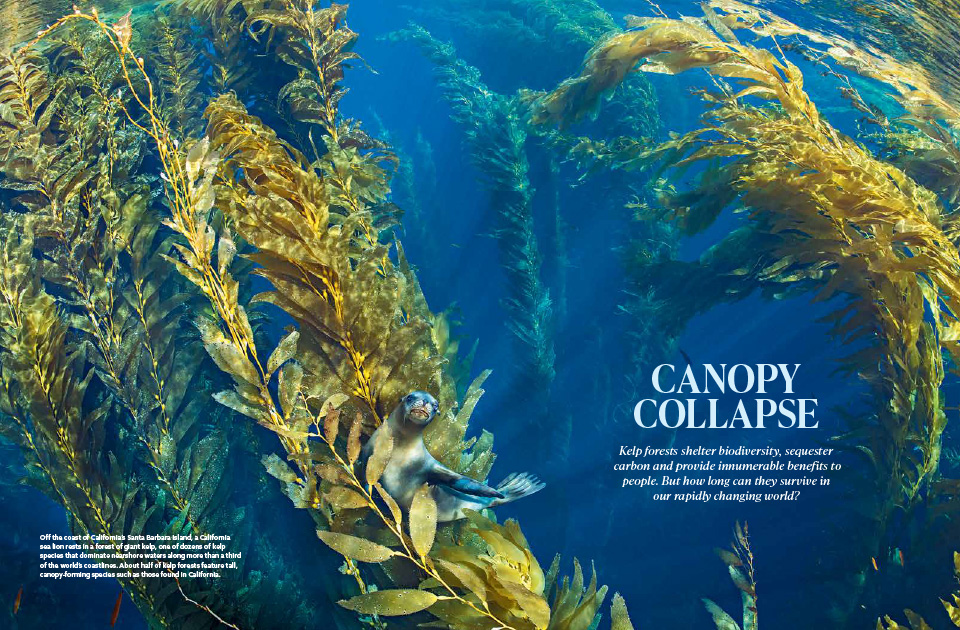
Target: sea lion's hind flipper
{"type": "Point", "coordinates": [516, 486]}
{"type": "Point", "coordinates": [440, 475]}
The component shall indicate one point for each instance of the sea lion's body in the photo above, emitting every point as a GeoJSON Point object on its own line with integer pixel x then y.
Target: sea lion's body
{"type": "Point", "coordinates": [410, 462]}
{"type": "Point", "coordinates": [411, 465]}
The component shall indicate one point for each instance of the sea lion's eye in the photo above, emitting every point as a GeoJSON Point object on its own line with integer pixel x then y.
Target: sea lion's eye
{"type": "Point", "coordinates": [408, 398]}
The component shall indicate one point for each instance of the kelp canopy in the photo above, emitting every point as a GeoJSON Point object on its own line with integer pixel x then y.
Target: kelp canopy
{"type": "Point", "coordinates": [826, 214]}
{"type": "Point", "coordinates": [150, 189]}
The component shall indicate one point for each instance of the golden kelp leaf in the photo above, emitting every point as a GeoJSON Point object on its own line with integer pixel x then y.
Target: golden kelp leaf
{"type": "Point", "coordinates": [242, 320]}
{"type": "Point", "coordinates": [534, 607]}
{"type": "Point", "coordinates": [168, 454]}
{"type": "Point", "coordinates": [952, 610]}
{"type": "Point", "coordinates": [916, 621]}
{"type": "Point", "coordinates": [722, 620]}
{"type": "Point", "coordinates": [353, 440]}
{"type": "Point", "coordinates": [379, 459]}
{"type": "Point", "coordinates": [729, 558]}
{"type": "Point", "coordinates": [356, 548]}
{"type": "Point", "coordinates": [334, 402]}
{"type": "Point", "coordinates": [283, 352]}
{"type": "Point", "coordinates": [305, 495]}
{"type": "Point", "coordinates": [391, 504]}
{"type": "Point", "coordinates": [232, 361]}
{"type": "Point", "coordinates": [209, 238]}
{"type": "Point", "coordinates": [292, 434]}
{"type": "Point", "coordinates": [502, 547]}
{"type": "Point", "coordinates": [278, 468]}
{"type": "Point", "coordinates": [331, 424]}
{"type": "Point", "coordinates": [344, 498]}
{"type": "Point", "coordinates": [288, 386]}
{"type": "Point", "coordinates": [331, 473]}
{"type": "Point", "coordinates": [423, 520]}
{"type": "Point", "coordinates": [583, 604]}
{"type": "Point", "coordinates": [619, 619]}
{"type": "Point", "coordinates": [195, 158]}
{"type": "Point", "coordinates": [233, 400]}
{"type": "Point", "coordinates": [740, 579]}
{"type": "Point", "coordinates": [466, 576]}
{"type": "Point", "coordinates": [226, 250]}
{"type": "Point", "coordinates": [456, 614]}
{"type": "Point", "coordinates": [401, 601]}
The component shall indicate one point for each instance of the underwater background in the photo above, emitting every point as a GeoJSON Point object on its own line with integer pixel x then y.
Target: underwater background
{"type": "Point", "coordinates": [236, 232]}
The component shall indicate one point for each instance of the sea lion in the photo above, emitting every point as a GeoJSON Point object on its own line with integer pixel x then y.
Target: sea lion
{"type": "Point", "coordinates": [411, 465]}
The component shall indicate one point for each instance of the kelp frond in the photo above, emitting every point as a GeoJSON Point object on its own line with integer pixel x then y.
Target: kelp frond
{"type": "Point", "coordinates": [496, 136]}
{"type": "Point", "coordinates": [831, 208]}
{"type": "Point", "coordinates": [739, 561]}
{"type": "Point", "coordinates": [177, 66]}
{"type": "Point", "coordinates": [825, 215]}
{"type": "Point", "coordinates": [146, 458]}
{"type": "Point", "coordinates": [343, 289]}
{"type": "Point", "coordinates": [317, 43]}
{"type": "Point", "coordinates": [916, 622]}
{"type": "Point", "coordinates": [229, 55]}
{"type": "Point", "coordinates": [327, 281]}
{"type": "Point", "coordinates": [924, 141]}
{"type": "Point", "coordinates": [44, 387]}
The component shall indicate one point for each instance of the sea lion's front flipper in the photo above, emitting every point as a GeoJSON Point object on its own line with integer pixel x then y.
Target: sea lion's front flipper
{"type": "Point", "coordinates": [440, 475]}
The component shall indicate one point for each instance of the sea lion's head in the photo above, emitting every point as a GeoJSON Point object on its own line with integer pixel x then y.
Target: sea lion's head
{"type": "Point", "coordinates": [419, 408]}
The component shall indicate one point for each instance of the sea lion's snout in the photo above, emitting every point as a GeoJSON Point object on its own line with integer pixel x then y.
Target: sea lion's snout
{"type": "Point", "coordinates": [420, 412]}
{"type": "Point", "coordinates": [420, 407]}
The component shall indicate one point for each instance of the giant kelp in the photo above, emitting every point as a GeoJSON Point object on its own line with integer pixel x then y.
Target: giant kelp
{"type": "Point", "coordinates": [727, 271]}
{"type": "Point", "coordinates": [534, 28]}
{"type": "Point", "coordinates": [295, 198]}
{"type": "Point", "coordinates": [509, 151]}
{"type": "Point", "coordinates": [923, 141]}
{"type": "Point", "coordinates": [317, 231]}
{"type": "Point", "coordinates": [825, 213]}
{"type": "Point", "coordinates": [916, 622]}
{"type": "Point", "coordinates": [496, 136]}
{"type": "Point", "coordinates": [228, 59]}
{"type": "Point", "coordinates": [740, 565]}
{"type": "Point", "coordinates": [106, 410]}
